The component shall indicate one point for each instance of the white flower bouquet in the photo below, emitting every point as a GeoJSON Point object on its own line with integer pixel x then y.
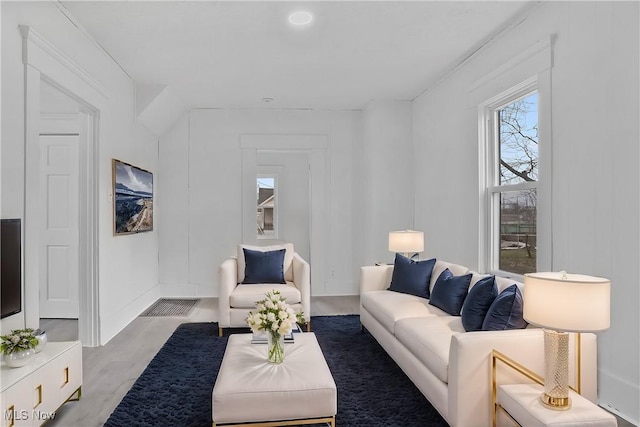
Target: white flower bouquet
{"type": "Point", "coordinates": [276, 318]}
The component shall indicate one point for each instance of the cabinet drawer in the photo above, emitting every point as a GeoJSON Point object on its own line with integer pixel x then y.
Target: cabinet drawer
{"type": "Point", "coordinates": [45, 393]}
{"type": "Point", "coordinates": [68, 368]}
{"type": "Point", "coordinates": [16, 405]}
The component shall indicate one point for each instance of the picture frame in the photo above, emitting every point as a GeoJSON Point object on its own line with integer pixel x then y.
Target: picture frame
{"type": "Point", "coordinates": [132, 198]}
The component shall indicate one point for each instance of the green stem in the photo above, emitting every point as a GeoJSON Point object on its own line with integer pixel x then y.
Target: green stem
{"type": "Point", "coordinates": [276, 348]}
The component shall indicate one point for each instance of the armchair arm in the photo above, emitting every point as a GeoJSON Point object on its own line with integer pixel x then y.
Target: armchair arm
{"type": "Point", "coordinates": [302, 280]}
{"type": "Point", "coordinates": [375, 277]}
{"type": "Point", "coordinates": [228, 274]}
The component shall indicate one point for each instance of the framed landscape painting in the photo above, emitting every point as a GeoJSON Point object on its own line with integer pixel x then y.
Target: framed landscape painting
{"type": "Point", "coordinates": [132, 199]}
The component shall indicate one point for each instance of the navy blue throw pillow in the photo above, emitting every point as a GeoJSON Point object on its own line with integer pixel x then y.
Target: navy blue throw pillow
{"type": "Point", "coordinates": [505, 311]}
{"type": "Point", "coordinates": [263, 267]}
{"type": "Point", "coordinates": [449, 292]}
{"type": "Point", "coordinates": [477, 303]}
{"type": "Point", "coordinates": [412, 277]}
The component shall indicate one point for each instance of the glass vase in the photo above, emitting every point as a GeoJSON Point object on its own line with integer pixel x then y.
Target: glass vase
{"type": "Point", "coordinates": [275, 347]}
{"type": "Point", "coordinates": [18, 358]}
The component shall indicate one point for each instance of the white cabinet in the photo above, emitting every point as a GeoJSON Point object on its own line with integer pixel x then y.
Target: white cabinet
{"type": "Point", "coordinates": [31, 394]}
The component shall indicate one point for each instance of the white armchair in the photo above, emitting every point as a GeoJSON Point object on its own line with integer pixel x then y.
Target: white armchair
{"type": "Point", "coordinates": [236, 299]}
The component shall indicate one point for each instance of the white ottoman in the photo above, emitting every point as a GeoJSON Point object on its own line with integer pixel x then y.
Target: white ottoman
{"type": "Point", "coordinates": [250, 390]}
{"type": "Point", "coordinates": [522, 402]}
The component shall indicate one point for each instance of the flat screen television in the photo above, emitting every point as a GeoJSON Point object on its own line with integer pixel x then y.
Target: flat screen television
{"type": "Point", "coordinates": [11, 266]}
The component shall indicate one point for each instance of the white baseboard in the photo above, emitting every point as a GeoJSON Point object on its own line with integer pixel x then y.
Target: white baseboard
{"type": "Point", "coordinates": [112, 324]}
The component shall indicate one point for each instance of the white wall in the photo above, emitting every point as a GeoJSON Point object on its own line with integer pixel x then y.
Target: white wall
{"type": "Point", "coordinates": [386, 179]}
{"type": "Point", "coordinates": [201, 221]}
{"type": "Point", "coordinates": [594, 164]}
{"type": "Point", "coordinates": [128, 265]}
{"type": "Point", "coordinates": [173, 210]}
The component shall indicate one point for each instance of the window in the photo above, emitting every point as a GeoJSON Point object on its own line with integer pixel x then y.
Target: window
{"type": "Point", "coordinates": [266, 203]}
{"type": "Point", "coordinates": [512, 181]}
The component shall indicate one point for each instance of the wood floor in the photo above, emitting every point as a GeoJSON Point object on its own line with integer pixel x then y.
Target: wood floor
{"type": "Point", "coordinates": [110, 371]}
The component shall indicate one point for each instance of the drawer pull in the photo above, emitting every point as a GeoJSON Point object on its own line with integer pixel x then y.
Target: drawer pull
{"type": "Point", "coordinates": [39, 390]}
{"type": "Point", "coordinates": [66, 377]}
{"type": "Point", "coordinates": [12, 416]}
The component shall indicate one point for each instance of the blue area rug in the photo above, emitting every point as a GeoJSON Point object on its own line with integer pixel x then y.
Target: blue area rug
{"type": "Point", "coordinates": [175, 389]}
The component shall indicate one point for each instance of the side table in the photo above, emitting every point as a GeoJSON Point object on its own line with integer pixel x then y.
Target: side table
{"type": "Point", "coordinates": [522, 403]}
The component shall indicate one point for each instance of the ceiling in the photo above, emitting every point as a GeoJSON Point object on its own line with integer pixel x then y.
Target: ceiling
{"type": "Point", "coordinates": [232, 54]}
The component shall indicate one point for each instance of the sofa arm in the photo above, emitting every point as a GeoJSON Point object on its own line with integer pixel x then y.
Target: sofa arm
{"type": "Point", "coordinates": [228, 275]}
{"type": "Point", "coordinates": [302, 281]}
{"type": "Point", "coordinates": [470, 369]}
{"type": "Point", "coordinates": [375, 277]}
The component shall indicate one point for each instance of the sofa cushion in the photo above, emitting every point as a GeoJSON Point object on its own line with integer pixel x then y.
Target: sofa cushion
{"type": "Point", "coordinates": [411, 277]}
{"type": "Point", "coordinates": [429, 339]}
{"type": "Point", "coordinates": [263, 266]}
{"type": "Point", "coordinates": [288, 259]}
{"type": "Point", "coordinates": [245, 296]}
{"type": "Point", "coordinates": [504, 282]}
{"type": "Point", "coordinates": [388, 307]}
{"type": "Point", "coordinates": [477, 303]}
{"type": "Point", "coordinates": [450, 291]}
{"type": "Point", "coordinates": [505, 311]}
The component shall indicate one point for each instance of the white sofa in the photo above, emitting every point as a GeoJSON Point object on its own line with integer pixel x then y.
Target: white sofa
{"type": "Point", "coordinates": [451, 367]}
{"type": "Point", "coordinates": [235, 299]}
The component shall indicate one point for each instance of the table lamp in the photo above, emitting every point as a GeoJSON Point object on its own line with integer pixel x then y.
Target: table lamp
{"type": "Point", "coordinates": [406, 241]}
{"type": "Point", "coordinates": [562, 303]}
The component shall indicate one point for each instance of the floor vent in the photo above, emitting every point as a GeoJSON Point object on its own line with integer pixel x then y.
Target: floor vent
{"type": "Point", "coordinates": [166, 307]}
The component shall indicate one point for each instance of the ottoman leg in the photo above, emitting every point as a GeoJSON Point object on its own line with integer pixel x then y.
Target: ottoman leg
{"type": "Point", "coordinates": [219, 331]}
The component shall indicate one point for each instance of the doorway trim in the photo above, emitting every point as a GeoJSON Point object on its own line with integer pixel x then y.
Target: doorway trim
{"type": "Point", "coordinates": [44, 62]}
{"type": "Point", "coordinates": [316, 146]}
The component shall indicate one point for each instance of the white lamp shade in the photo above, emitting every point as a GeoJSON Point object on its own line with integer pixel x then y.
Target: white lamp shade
{"type": "Point", "coordinates": [567, 302]}
{"type": "Point", "coordinates": [406, 241]}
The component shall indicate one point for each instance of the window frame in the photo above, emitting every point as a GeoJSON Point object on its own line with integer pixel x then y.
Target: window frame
{"type": "Point", "coordinates": [490, 187]}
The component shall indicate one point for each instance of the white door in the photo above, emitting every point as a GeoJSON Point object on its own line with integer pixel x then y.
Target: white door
{"type": "Point", "coordinates": [292, 170]}
{"type": "Point", "coordinates": [59, 164]}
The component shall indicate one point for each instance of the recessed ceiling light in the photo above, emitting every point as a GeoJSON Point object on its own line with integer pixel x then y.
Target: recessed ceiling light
{"type": "Point", "coordinates": [267, 100]}
{"type": "Point", "coordinates": [300, 18]}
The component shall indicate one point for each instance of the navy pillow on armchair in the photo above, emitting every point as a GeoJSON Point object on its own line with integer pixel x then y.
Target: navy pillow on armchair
{"type": "Point", "coordinates": [412, 277]}
{"type": "Point", "coordinates": [449, 292]}
{"type": "Point", "coordinates": [263, 267]}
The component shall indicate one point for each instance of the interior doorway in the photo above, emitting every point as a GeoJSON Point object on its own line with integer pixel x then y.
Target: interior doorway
{"type": "Point", "coordinates": [49, 75]}
{"type": "Point", "coordinates": [60, 254]}
{"type": "Point", "coordinates": [304, 158]}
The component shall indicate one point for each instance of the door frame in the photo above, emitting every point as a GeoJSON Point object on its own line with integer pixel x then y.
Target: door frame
{"type": "Point", "coordinates": [316, 147]}
{"type": "Point", "coordinates": [44, 62]}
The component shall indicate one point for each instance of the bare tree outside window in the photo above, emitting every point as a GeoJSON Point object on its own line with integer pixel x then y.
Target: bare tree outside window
{"type": "Point", "coordinates": [518, 176]}
{"type": "Point", "coordinates": [519, 141]}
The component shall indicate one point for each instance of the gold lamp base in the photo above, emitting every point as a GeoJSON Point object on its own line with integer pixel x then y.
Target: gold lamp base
{"type": "Point", "coordinates": [556, 372]}
{"type": "Point", "coordinates": [556, 403]}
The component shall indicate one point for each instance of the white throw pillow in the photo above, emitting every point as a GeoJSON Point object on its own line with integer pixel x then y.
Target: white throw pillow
{"type": "Point", "coordinates": [288, 259]}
